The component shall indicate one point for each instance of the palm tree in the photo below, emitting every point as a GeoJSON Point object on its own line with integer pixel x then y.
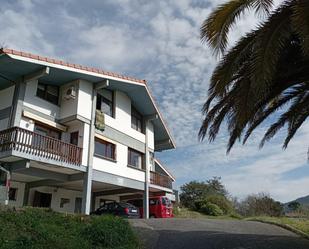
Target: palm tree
{"type": "Point", "coordinates": [267, 70]}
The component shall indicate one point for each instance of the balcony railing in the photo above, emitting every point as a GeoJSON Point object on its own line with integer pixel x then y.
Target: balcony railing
{"type": "Point", "coordinates": [37, 145]}
{"type": "Point", "coordinates": [160, 180]}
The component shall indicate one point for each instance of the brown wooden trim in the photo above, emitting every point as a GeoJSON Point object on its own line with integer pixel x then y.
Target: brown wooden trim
{"type": "Point", "coordinates": [160, 180]}
{"type": "Point", "coordinates": [32, 143]}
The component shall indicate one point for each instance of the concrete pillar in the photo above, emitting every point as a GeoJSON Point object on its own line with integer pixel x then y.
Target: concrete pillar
{"type": "Point", "coordinates": [17, 104]}
{"type": "Point", "coordinates": [147, 168]}
{"type": "Point", "coordinates": [26, 194]}
{"type": "Point", "coordinates": [87, 185]}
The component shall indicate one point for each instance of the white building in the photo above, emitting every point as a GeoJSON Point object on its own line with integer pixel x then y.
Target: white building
{"type": "Point", "coordinates": [74, 136]}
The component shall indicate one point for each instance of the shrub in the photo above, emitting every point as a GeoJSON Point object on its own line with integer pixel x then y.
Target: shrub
{"type": "Point", "coordinates": [110, 232]}
{"type": "Point", "coordinates": [211, 209]}
{"type": "Point", "coordinates": [222, 202]}
{"type": "Point", "coordinates": [259, 205]}
{"type": "Point", "coordinates": [38, 228]}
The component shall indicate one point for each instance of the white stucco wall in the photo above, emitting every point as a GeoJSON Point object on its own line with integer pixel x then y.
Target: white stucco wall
{"type": "Point", "coordinates": [68, 106]}
{"type": "Point", "coordinates": [122, 120]}
{"type": "Point", "coordinates": [27, 124]}
{"type": "Point", "coordinates": [20, 194]}
{"type": "Point", "coordinates": [150, 135]}
{"type": "Point", "coordinates": [57, 194]}
{"type": "Point", "coordinates": [120, 167]}
{"type": "Point", "coordinates": [38, 104]}
{"type": "Point", "coordinates": [84, 99]}
{"type": "Point", "coordinates": [6, 97]}
{"type": "Point", "coordinates": [4, 124]}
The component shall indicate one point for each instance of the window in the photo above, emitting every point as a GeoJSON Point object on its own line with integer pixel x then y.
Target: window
{"type": "Point", "coordinates": [136, 120]}
{"type": "Point", "coordinates": [105, 149]}
{"type": "Point", "coordinates": [48, 92]}
{"type": "Point", "coordinates": [12, 194]}
{"type": "Point", "coordinates": [135, 158]}
{"type": "Point", "coordinates": [74, 138]}
{"type": "Point", "coordinates": [64, 202]}
{"type": "Point", "coordinates": [47, 131]}
{"type": "Point", "coordinates": [105, 102]}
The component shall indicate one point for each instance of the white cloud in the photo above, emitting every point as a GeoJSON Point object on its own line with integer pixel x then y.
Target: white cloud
{"type": "Point", "coordinates": [159, 41]}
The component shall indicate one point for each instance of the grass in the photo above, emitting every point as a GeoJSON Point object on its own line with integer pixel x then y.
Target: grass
{"type": "Point", "coordinates": [300, 224]}
{"type": "Point", "coordinates": [41, 228]}
{"type": "Point", "coordinates": [187, 213]}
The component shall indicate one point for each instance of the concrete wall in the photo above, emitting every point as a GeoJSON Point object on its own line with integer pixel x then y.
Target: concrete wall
{"type": "Point", "coordinates": [20, 194]}
{"type": "Point", "coordinates": [57, 194]}
{"type": "Point", "coordinates": [38, 104]}
{"type": "Point", "coordinates": [6, 97]}
{"type": "Point", "coordinates": [68, 106]}
{"type": "Point", "coordinates": [120, 167]}
{"type": "Point", "coordinates": [122, 120]}
{"type": "Point", "coordinates": [84, 99]}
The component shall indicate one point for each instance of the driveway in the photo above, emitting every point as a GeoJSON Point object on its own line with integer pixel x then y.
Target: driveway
{"type": "Point", "coordinates": [214, 234]}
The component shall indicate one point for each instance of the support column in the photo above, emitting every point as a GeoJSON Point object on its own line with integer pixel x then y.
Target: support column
{"type": "Point", "coordinates": [146, 193]}
{"type": "Point", "coordinates": [26, 194]}
{"type": "Point", "coordinates": [87, 185]}
{"type": "Point", "coordinates": [17, 105]}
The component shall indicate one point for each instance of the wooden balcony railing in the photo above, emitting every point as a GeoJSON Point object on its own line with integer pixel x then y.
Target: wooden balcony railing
{"type": "Point", "coordinates": [160, 180]}
{"type": "Point", "coordinates": [32, 143]}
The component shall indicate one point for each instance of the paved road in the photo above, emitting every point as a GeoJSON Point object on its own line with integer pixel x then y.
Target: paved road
{"type": "Point", "coordinates": [214, 234]}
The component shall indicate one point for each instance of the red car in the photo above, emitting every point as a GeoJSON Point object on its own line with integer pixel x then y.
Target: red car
{"type": "Point", "coordinates": [159, 207]}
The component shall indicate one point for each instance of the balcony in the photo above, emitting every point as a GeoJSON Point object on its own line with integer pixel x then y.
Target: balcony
{"type": "Point", "coordinates": [160, 180]}
{"type": "Point", "coordinates": [24, 143]}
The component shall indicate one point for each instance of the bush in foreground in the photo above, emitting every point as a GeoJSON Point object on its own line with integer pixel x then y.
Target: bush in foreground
{"type": "Point", "coordinates": [211, 209]}
{"type": "Point", "coordinates": [41, 228]}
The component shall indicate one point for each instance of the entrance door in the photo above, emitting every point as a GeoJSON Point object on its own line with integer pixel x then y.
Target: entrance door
{"type": "Point", "coordinates": [42, 199]}
{"type": "Point", "coordinates": [78, 205]}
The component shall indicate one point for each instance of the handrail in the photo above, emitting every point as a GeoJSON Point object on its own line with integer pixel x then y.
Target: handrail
{"type": "Point", "coordinates": [26, 141]}
{"type": "Point", "coordinates": [160, 180]}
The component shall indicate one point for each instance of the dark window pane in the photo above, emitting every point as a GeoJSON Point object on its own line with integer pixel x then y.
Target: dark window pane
{"type": "Point", "coordinates": [135, 158]}
{"type": "Point", "coordinates": [48, 92]}
{"type": "Point", "coordinates": [12, 194]}
{"type": "Point", "coordinates": [107, 107]}
{"type": "Point", "coordinates": [105, 102]}
{"type": "Point", "coordinates": [105, 149]}
{"type": "Point", "coordinates": [136, 120]}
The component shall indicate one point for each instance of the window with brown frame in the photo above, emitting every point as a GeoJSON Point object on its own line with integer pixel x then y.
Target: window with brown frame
{"type": "Point", "coordinates": [49, 93]}
{"type": "Point", "coordinates": [105, 149]}
{"type": "Point", "coordinates": [136, 120]}
{"type": "Point", "coordinates": [105, 102]}
{"type": "Point", "coordinates": [135, 158]}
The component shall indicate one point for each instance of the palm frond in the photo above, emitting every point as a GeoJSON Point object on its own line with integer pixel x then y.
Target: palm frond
{"type": "Point", "coordinates": [300, 22]}
{"type": "Point", "coordinates": [215, 28]}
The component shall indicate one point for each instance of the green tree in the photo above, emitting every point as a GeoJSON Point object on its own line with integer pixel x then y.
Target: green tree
{"type": "Point", "coordinates": [260, 204]}
{"type": "Point", "coordinates": [194, 191]}
{"type": "Point", "coordinates": [294, 205]}
{"type": "Point", "coordinates": [265, 71]}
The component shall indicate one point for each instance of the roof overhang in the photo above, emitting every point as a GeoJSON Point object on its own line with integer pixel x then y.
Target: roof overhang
{"type": "Point", "coordinates": [15, 65]}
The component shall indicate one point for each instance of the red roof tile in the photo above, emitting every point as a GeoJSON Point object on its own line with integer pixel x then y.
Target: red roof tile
{"type": "Point", "coordinates": [59, 62]}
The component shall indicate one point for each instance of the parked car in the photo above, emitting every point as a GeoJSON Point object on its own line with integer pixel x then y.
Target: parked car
{"type": "Point", "coordinates": [159, 207]}
{"type": "Point", "coordinates": [122, 209]}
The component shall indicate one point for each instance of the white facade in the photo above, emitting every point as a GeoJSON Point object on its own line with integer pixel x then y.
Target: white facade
{"type": "Point", "coordinates": [73, 114]}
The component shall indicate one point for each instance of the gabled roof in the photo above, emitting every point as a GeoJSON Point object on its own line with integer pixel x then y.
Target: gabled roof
{"type": "Point", "coordinates": [164, 169]}
{"type": "Point", "coordinates": [15, 64]}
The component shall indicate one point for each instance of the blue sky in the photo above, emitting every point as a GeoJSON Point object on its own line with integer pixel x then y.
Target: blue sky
{"type": "Point", "coordinates": [159, 41]}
